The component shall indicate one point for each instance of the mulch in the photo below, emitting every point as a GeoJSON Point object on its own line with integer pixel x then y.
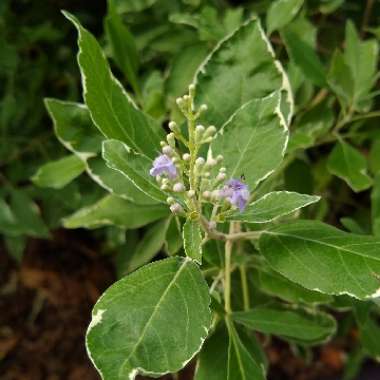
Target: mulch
{"type": "Point", "coordinates": [45, 307]}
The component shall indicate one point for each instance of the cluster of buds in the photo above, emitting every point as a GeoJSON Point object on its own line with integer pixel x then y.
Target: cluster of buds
{"type": "Point", "coordinates": [189, 178]}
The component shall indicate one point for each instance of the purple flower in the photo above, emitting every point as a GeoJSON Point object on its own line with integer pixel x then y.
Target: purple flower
{"type": "Point", "coordinates": [236, 193]}
{"type": "Point", "coordinates": [163, 164]}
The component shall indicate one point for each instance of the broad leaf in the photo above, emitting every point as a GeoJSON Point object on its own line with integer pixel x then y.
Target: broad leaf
{"type": "Point", "coordinates": [274, 205]}
{"type": "Point", "coordinates": [75, 130]}
{"type": "Point", "coordinates": [240, 68]}
{"type": "Point", "coordinates": [349, 164]}
{"type": "Point", "coordinates": [281, 12]}
{"type": "Point", "coordinates": [293, 324]}
{"type": "Point", "coordinates": [134, 166]}
{"type": "Point", "coordinates": [59, 173]}
{"type": "Point", "coordinates": [112, 210]}
{"type": "Point", "coordinates": [192, 240]}
{"type": "Point", "coordinates": [150, 322]}
{"type": "Point", "coordinates": [323, 258]}
{"type": "Point", "coordinates": [111, 109]}
{"type": "Point", "coordinates": [253, 141]}
{"type": "Point", "coordinates": [241, 364]}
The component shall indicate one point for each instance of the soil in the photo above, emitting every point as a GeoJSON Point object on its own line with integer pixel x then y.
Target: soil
{"type": "Point", "coordinates": [45, 306]}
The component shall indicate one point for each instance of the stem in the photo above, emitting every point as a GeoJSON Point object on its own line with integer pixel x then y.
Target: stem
{"type": "Point", "coordinates": [244, 287]}
{"type": "Point", "coordinates": [227, 272]}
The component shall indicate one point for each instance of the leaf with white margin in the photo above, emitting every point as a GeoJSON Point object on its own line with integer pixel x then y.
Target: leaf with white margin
{"type": "Point", "coordinates": [322, 258]}
{"type": "Point", "coordinates": [111, 108]}
{"type": "Point", "coordinates": [274, 205]}
{"type": "Point", "coordinates": [254, 140]}
{"type": "Point", "coordinates": [289, 323]}
{"type": "Point", "coordinates": [151, 322]}
{"type": "Point", "coordinates": [240, 68]}
{"type": "Point", "coordinates": [192, 240]}
{"type": "Point", "coordinates": [115, 211]}
{"type": "Point", "coordinates": [134, 166]}
{"type": "Point", "coordinates": [76, 132]}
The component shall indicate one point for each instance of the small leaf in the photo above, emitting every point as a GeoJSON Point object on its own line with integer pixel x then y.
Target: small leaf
{"type": "Point", "coordinates": [349, 164]}
{"type": "Point", "coordinates": [133, 166]}
{"type": "Point", "coordinates": [253, 141]}
{"type": "Point", "coordinates": [152, 321]}
{"type": "Point", "coordinates": [305, 58]}
{"type": "Point", "coordinates": [112, 210]}
{"type": "Point", "coordinates": [274, 205]}
{"type": "Point", "coordinates": [192, 240]}
{"type": "Point", "coordinates": [323, 258]}
{"type": "Point", "coordinates": [111, 109]}
{"type": "Point", "coordinates": [294, 324]}
{"type": "Point", "coordinates": [281, 12]}
{"type": "Point", "coordinates": [375, 206]}
{"type": "Point", "coordinates": [123, 6]}
{"type": "Point", "coordinates": [241, 364]}
{"type": "Point", "coordinates": [59, 173]}
{"type": "Point", "coordinates": [241, 67]}
{"type": "Point", "coordinates": [149, 245]}
{"type": "Point", "coordinates": [123, 46]}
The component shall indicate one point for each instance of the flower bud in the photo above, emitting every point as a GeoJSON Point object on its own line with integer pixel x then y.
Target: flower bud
{"type": "Point", "coordinates": [171, 139]}
{"type": "Point", "coordinates": [163, 143]}
{"type": "Point", "coordinates": [222, 170]}
{"type": "Point", "coordinates": [199, 129]}
{"type": "Point", "coordinates": [180, 102]}
{"type": "Point", "coordinates": [221, 177]}
{"type": "Point", "coordinates": [203, 108]}
{"type": "Point", "coordinates": [167, 150]}
{"type": "Point", "coordinates": [191, 193]}
{"type": "Point", "coordinates": [206, 174]}
{"type": "Point", "coordinates": [210, 131]}
{"type": "Point", "coordinates": [219, 158]}
{"type": "Point", "coordinates": [211, 225]}
{"type": "Point", "coordinates": [170, 200]}
{"type": "Point", "coordinates": [176, 208]}
{"type": "Point", "coordinates": [206, 194]}
{"type": "Point", "coordinates": [178, 187]}
{"type": "Point", "coordinates": [192, 89]}
{"type": "Point", "coordinates": [164, 187]}
{"type": "Point", "coordinates": [186, 157]}
{"type": "Point", "coordinates": [200, 161]}
{"type": "Point", "coordinates": [211, 162]}
{"type": "Point", "coordinates": [173, 126]}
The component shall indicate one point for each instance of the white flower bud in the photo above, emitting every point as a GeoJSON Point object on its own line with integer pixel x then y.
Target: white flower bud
{"type": "Point", "coordinates": [175, 159]}
{"type": "Point", "coordinates": [164, 187]}
{"type": "Point", "coordinates": [192, 89]}
{"type": "Point", "coordinates": [223, 169]}
{"type": "Point", "coordinates": [221, 177]}
{"type": "Point", "coordinates": [173, 126]}
{"type": "Point", "coordinates": [203, 108]}
{"type": "Point", "coordinates": [199, 129]}
{"type": "Point", "coordinates": [180, 102]}
{"type": "Point", "coordinates": [191, 193]}
{"type": "Point", "coordinates": [176, 208]}
{"type": "Point", "coordinates": [212, 225]}
{"type": "Point", "coordinates": [171, 139]}
{"type": "Point", "coordinates": [211, 162]}
{"type": "Point", "coordinates": [206, 194]}
{"type": "Point", "coordinates": [216, 194]}
{"type": "Point", "coordinates": [178, 187]}
{"type": "Point", "coordinates": [210, 131]}
{"type": "Point", "coordinates": [186, 98]}
{"type": "Point", "coordinates": [167, 150]}
{"type": "Point", "coordinates": [219, 158]}
{"type": "Point", "coordinates": [170, 200]}
{"type": "Point", "coordinates": [163, 143]}
{"type": "Point", "coordinates": [186, 157]}
{"type": "Point", "coordinates": [200, 161]}
{"type": "Point", "coordinates": [206, 174]}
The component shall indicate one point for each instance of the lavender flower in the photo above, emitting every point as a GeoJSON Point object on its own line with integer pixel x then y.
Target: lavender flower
{"type": "Point", "coordinates": [236, 193]}
{"type": "Point", "coordinates": [163, 164]}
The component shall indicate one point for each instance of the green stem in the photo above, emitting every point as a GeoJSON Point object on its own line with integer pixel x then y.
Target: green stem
{"type": "Point", "coordinates": [244, 287]}
{"type": "Point", "coordinates": [227, 272]}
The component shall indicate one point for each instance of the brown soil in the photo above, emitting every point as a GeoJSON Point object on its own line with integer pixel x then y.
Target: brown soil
{"type": "Point", "coordinates": [45, 307]}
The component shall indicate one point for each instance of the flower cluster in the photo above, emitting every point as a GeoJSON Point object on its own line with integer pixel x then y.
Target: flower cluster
{"type": "Point", "coordinates": [190, 179]}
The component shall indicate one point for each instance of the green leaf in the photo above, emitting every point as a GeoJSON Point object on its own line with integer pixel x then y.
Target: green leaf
{"type": "Point", "coordinates": [276, 285]}
{"type": "Point", "coordinates": [294, 324]}
{"type": "Point", "coordinates": [111, 109]}
{"type": "Point", "coordinates": [123, 6]}
{"type": "Point", "coordinates": [8, 222]}
{"type": "Point", "coordinates": [340, 79]}
{"type": "Point", "coordinates": [112, 210]}
{"type": "Point", "coordinates": [151, 322]}
{"type": "Point", "coordinates": [322, 258]}
{"type": "Point", "coordinates": [242, 67]}
{"type": "Point", "coordinates": [75, 130]}
{"type": "Point", "coordinates": [123, 46]}
{"type": "Point", "coordinates": [192, 240]}
{"type": "Point", "coordinates": [174, 240]}
{"type": "Point", "coordinates": [362, 58]}
{"type": "Point", "coordinates": [59, 173]}
{"type": "Point", "coordinates": [370, 337]}
{"type": "Point", "coordinates": [374, 162]}
{"type": "Point", "coordinates": [375, 206]}
{"type": "Point", "coordinates": [134, 166]}
{"type": "Point", "coordinates": [150, 245]}
{"type": "Point", "coordinates": [274, 205]}
{"type": "Point", "coordinates": [349, 164]}
{"type": "Point", "coordinates": [15, 246]}
{"type": "Point", "coordinates": [304, 57]}
{"type": "Point", "coordinates": [253, 141]}
{"type": "Point", "coordinates": [241, 364]}
{"type": "Point", "coordinates": [281, 12]}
